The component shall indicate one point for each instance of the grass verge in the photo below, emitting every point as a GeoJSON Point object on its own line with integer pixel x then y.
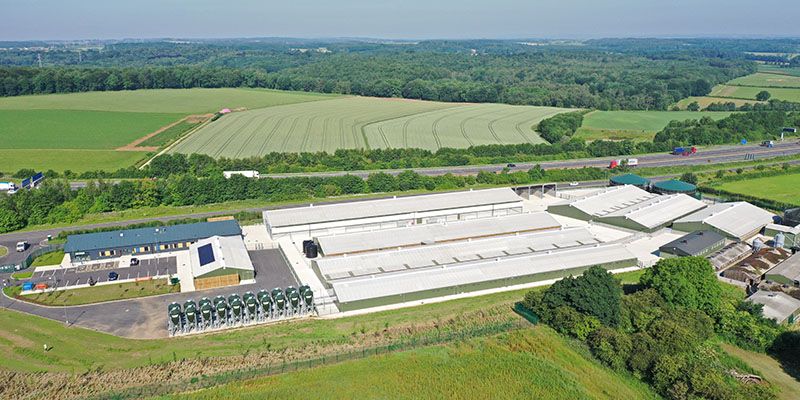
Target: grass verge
{"type": "Point", "coordinates": [101, 293]}
{"type": "Point", "coordinates": [52, 258]}
{"type": "Point", "coordinates": [19, 275]}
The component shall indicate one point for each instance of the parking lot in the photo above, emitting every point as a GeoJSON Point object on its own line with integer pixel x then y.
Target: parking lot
{"type": "Point", "coordinates": [98, 272]}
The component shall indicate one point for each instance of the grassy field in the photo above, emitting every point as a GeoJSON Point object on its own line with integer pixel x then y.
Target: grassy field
{"type": "Point", "coordinates": [101, 293]}
{"type": "Point", "coordinates": [76, 129]}
{"type": "Point", "coordinates": [68, 159]}
{"type": "Point", "coordinates": [767, 80]}
{"type": "Point", "coordinates": [358, 122]}
{"type": "Point", "coordinates": [795, 71]}
{"type": "Point", "coordinates": [635, 125]}
{"type": "Point", "coordinates": [22, 335]}
{"type": "Point", "coordinates": [788, 386]}
{"type": "Point", "coordinates": [176, 101]}
{"type": "Point", "coordinates": [52, 258]}
{"type": "Point", "coordinates": [783, 188]}
{"type": "Point", "coordinates": [169, 135]}
{"type": "Point", "coordinates": [531, 364]}
{"type": "Point", "coordinates": [749, 92]}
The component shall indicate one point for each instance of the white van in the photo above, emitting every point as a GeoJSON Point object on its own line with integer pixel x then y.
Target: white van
{"type": "Point", "coordinates": [21, 246]}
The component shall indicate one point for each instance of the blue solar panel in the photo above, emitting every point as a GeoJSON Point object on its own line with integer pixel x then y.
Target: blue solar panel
{"type": "Point", "coordinates": [26, 182]}
{"type": "Point", "coordinates": [36, 178]}
{"type": "Point", "coordinates": [206, 254]}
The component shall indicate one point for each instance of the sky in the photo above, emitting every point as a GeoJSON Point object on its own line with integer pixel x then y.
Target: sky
{"type": "Point", "coordinates": [399, 19]}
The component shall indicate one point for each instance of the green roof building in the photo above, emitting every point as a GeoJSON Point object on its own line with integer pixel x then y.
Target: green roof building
{"type": "Point", "coordinates": [630, 179]}
{"type": "Point", "coordinates": [674, 186]}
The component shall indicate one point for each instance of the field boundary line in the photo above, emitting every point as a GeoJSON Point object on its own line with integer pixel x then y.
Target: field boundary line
{"type": "Point", "coordinates": [175, 143]}
{"type": "Point", "coordinates": [132, 146]}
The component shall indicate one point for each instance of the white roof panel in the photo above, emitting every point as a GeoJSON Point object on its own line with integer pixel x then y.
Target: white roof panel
{"type": "Point", "coordinates": [736, 218]}
{"type": "Point", "coordinates": [659, 210]}
{"type": "Point", "coordinates": [385, 207]}
{"type": "Point", "coordinates": [356, 289]}
{"type": "Point", "coordinates": [431, 233]}
{"type": "Point", "coordinates": [228, 252]}
{"type": "Point", "coordinates": [777, 305]}
{"type": "Point", "coordinates": [424, 256]}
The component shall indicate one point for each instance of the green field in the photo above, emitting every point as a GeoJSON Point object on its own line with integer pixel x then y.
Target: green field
{"type": "Point", "coordinates": [80, 131]}
{"type": "Point", "coordinates": [177, 101]}
{"type": "Point", "coordinates": [767, 80]}
{"type": "Point", "coordinates": [635, 125]}
{"type": "Point", "coordinates": [749, 92]}
{"type": "Point", "coordinates": [783, 188]}
{"type": "Point", "coordinates": [52, 258]}
{"type": "Point", "coordinates": [532, 364]}
{"type": "Point", "coordinates": [76, 129]}
{"type": "Point", "coordinates": [359, 122]}
{"type": "Point", "coordinates": [795, 71]}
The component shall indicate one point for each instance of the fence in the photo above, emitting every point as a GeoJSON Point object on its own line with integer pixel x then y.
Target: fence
{"type": "Point", "coordinates": [205, 382]}
{"type": "Point", "coordinates": [29, 259]}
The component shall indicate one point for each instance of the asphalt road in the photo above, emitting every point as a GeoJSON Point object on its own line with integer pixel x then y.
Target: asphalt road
{"type": "Point", "coordinates": [715, 155]}
{"type": "Point", "coordinates": [146, 318]}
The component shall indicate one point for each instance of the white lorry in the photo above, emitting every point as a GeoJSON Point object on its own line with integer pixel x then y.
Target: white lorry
{"type": "Point", "coordinates": [8, 186]}
{"type": "Point", "coordinates": [247, 174]}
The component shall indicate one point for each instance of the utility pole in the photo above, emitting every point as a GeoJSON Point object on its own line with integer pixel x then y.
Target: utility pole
{"type": "Point", "coordinates": [39, 57]}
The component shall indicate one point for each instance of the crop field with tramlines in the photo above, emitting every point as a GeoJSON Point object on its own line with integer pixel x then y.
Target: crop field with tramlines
{"type": "Point", "coordinates": [360, 122]}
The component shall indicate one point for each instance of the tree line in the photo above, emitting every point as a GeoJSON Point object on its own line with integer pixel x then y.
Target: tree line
{"type": "Point", "coordinates": [752, 126]}
{"type": "Point", "coordinates": [499, 72]}
{"type": "Point", "coordinates": [664, 330]}
{"type": "Point", "coordinates": [56, 202]}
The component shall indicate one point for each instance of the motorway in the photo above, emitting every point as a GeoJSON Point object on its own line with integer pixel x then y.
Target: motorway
{"type": "Point", "coordinates": [711, 155]}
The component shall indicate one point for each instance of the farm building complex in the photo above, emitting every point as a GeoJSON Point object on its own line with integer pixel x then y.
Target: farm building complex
{"type": "Point", "coordinates": [629, 207]}
{"type": "Point", "coordinates": [391, 213]}
{"type": "Point", "coordinates": [737, 220]}
{"type": "Point", "coordinates": [695, 244]}
{"type": "Point", "coordinates": [100, 245]}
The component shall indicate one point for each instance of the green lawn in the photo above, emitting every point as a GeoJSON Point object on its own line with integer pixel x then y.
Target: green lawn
{"type": "Point", "coordinates": [179, 101]}
{"type": "Point", "coordinates": [360, 122]}
{"type": "Point", "coordinates": [783, 188]}
{"type": "Point", "coordinates": [749, 92]}
{"type": "Point", "coordinates": [52, 258]}
{"type": "Point", "coordinates": [101, 293]}
{"type": "Point", "coordinates": [22, 335]}
{"type": "Point", "coordinates": [636, 125]}
{"type": "Point", "coordinates": [534, 363]}
{"type": "Point", "coordinates": [788, 387]}
{"type": "Point", "coordinates": [169, 135]}
{"type": "Point", "coordinates": [19, 275]}
{"type": "Point", "coordinates": [795, 71]}
{"type": "Point", "coordinates": [75, 160]}
{"type": "Point", "coordinates": [76, 129]}
{"type": "Point", "coordinates": [767, 80]}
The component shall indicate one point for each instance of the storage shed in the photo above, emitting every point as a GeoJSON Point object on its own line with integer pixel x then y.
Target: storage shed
{"type": "Point", "coordinates": [778, 306]}
{"type": "Point", "coordinates": [695, 244]}
{"type": "Point", "coordinates": [220, 261]}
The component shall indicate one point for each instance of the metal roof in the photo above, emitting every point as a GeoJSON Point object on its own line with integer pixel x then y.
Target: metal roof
{"type": "Point", "coordinates": [332, 268]}
{"type": "Point", "coordinates": [228, 252]}
{"type": "Point", "coordinates": [777, 305]}
{"type": "Point", "coordinates": [659, 210]}
{"type": "Point", "coordinates": [612, 199]}
{"type": "Point", "coordinates": [127, 238]}
{"type": "Point", "coordinates": [384, 207]}
{"type": "Point", "coordinates": [674, 185]}
{"type": "Point", "coordinates": [434, 233]}
{"type": "Point", "coordinates": [369, 287]}
{"type": "Point", "coordinates": [693, 243]}
{"type": "Point", "coordinates": [736, 219]}
{"type": "Point", "coordinates": [630, 179]}
{"type": "Point", "coordinates": [789, 268]}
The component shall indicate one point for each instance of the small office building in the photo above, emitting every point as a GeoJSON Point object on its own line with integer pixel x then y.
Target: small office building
{"type": "Point", "coordinates": [695, 244]}
{"type": "Point", "coordinates": [118, 243]}
{"type": "Point", "coordinates": [220, 261]}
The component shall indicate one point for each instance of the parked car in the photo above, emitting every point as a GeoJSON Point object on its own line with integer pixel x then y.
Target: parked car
{"type": "Point", "coordinates": [22, 246]}
{"type": "Point", "coordinates": [574, 183]}
{"type": "Point", "coordinates": [511, 165]}
{"type": "Point", "coordinates": [134, 261]}
{"type": "Point", "coordinates": [112, 276]}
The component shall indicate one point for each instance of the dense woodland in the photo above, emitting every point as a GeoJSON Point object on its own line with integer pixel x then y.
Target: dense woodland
{"type": "Point", "coordinates": [666, 330]}
{"type": "Point", "coordinates": [595, 74]}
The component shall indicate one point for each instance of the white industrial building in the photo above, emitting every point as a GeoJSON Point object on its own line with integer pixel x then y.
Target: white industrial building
{"type": "Point", "coordinates": [320, 220]}
{"type": "Point", "coordinates": [442, 232]}
{"type": "Point", "coordinates": [630, 207]}
{"type": "Point", "coordinates": [737, 220]}
{"type": "Point", "coordinates": [220, 261]}
{"type": "Point", "coordinates": [371, 279]}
